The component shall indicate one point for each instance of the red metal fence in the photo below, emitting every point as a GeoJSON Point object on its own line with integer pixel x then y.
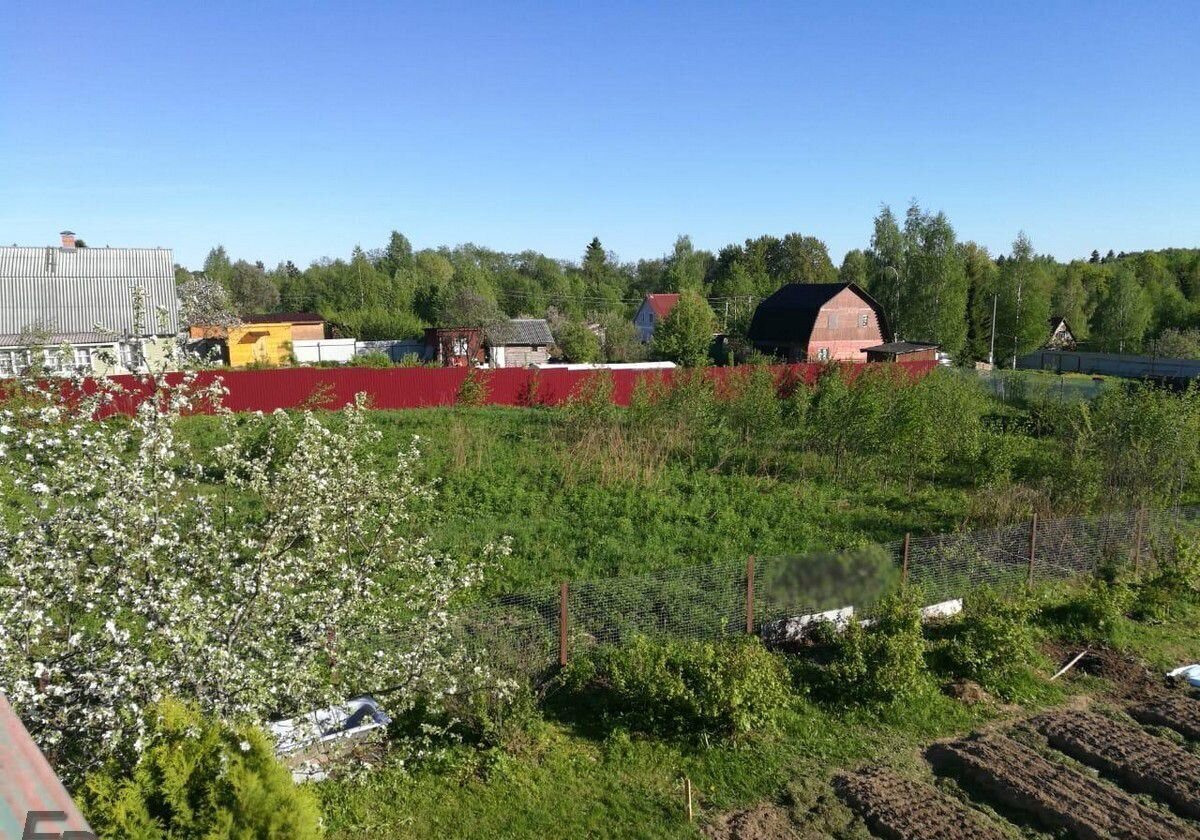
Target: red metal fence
{"type": "Point", "coordinates": [392, 388]}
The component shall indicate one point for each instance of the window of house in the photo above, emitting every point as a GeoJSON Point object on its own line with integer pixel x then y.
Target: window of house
{"type": "Point", "coordinates": [52, 359]}
{"type": "Point", "coordinates": [864, 319]}
{"type": "Point", "coordinates": [13, 362]}
{"type": "Point", "coordinates": [131, 355]}
{"type": "Point", "coordinates": [823, 354]}
{"type": "Point", "coordinates": [83, 358]}
{"type": "Point", "coordinates": [833, 320]}
{"type": "Point", "coordinates": [460, 346]}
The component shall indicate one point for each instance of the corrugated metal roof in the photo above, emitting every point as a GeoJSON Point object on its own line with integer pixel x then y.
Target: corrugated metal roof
{"type": "Point", "coordinates": [28, 783]}
{"type": "Point", "coordinates": [81, 290]}
{"type": "Point", "coordinates": [532, 331]}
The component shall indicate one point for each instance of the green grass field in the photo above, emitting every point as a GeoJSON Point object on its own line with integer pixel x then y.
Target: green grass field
{"type": "Point", "coordinates": [573, 515]}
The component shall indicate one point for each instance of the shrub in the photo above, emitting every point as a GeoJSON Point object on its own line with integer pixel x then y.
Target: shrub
{"type": "Point", "coordinates": [993, 640]}
{"type": "Point", "coordinates": [1175, 582]}
{"type": "Point", "coordinates": [1094, 612]}
{"type": "Point", "coordinates": [878, 663]}
{"type": "Point", "coordinates": [373, 359]}
{"type": "Point", "coordinates": [473, 392]}
{"type": "Point", "coordinates": [674, 686]}
{"type": "Point", "coordinates": [198, 777]}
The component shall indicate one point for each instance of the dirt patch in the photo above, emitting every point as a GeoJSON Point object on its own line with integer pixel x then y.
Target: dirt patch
{"type": "Point", "coordinates": [763, 822]}
{"type": "Point", "coordinates": [1137, 759]}
{"type": "Point", "coordinates": [967, 692]}
{"type": "Point", "coordinates": [1129, 679]}
{"type": "Point", "coordinates": [1178, 712]}
{"type": "Point", "coordinates": [1021, 781]}
{"type": "Point", "coordinates": [896, 808]}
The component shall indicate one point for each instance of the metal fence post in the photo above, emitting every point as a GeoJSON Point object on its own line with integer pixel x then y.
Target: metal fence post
{"type": "Point", "coordinates": [904, 563]}
{"type": "Point", "coordinates": [562, 624]}
{"type": "Point", "coordinates": [1032, 549]}
{"type": "Point", "coordinates": [750, 595]}
{"type": "Point", "coordinates": [1137, 543]}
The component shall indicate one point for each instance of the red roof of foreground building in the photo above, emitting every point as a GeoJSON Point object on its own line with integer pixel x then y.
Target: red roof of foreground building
{"type": "Point", "coordinates": [661, 305]}
{"type": "Point", "coordinates": [28, 784]}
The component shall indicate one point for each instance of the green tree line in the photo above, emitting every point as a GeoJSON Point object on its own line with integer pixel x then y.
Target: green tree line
{"type": "Point", "coordinates": [932, 286]}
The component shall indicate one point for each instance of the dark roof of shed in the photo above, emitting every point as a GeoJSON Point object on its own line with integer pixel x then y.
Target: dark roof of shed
{"type": "Point", "coordinates": [788, 316]}
{"type": "Point", "coordinates": [899, 348]}
{"type": "Point", "coordinates": [531, 331]}
{"type": "Point", "coordinates": [284, 318]}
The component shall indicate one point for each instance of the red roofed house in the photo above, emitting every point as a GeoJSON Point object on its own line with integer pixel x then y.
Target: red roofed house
{"type": "Point", "coordinates": [653, 309]}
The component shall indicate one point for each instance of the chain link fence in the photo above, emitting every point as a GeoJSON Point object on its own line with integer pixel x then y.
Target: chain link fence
{"type": "Point", "coordinates": [777, 596]}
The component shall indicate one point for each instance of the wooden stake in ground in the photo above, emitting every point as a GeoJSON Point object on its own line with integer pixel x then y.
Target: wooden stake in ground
{"type": "Point", "coordinates": [687, 792]}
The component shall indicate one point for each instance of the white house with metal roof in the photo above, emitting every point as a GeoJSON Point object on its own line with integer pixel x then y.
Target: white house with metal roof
{"type": "Point", "coordinates": [114, 308]}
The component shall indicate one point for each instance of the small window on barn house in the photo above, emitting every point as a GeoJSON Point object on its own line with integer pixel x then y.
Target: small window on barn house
{"type": "Point", "coordinates": [833, 320]}
{"type": "Point", "coordinates": [460, 346]}
{"type": "Point", "coordinates": [823, 354]}
{"type": "Point", "coordinates": [864, 319]}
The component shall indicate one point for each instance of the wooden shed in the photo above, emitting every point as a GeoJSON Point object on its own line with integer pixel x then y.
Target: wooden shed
{"type": "Point", "coordinates": [903, 351]}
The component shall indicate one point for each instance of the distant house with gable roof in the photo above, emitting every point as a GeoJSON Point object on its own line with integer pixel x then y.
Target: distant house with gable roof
{"type": "Point", "coordinates": [654, 309]}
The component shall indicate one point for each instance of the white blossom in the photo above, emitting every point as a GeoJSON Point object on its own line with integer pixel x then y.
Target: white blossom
{"type": "Point", "coordinates": [131, 576]}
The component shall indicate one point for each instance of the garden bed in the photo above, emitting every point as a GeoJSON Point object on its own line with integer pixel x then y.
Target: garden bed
{"type": "Point", "coordinates": [897, 808]}
{"type": "Point", "coordinates": [1053, 795]}
{"type": "Point", "coordinates": [1138, 760]}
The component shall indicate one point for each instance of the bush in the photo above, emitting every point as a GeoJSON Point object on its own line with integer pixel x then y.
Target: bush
{"type": "Point", "coordinates": [473, 392]}
{"type": "Point", "coordinates": [198, 777]}
{"type": "Point", "coordinates": [878, 663]}
{"type": "Point", "coordinates": [1095, 612]}
{"type": "Point", "coordinates": [373, 359]}
{"type": "Point", "coordinates": [993, 641]}
{"type": "Point", "coordinates": [1175, 582]}
{"type": "Point", "coordinates": [675, 686]}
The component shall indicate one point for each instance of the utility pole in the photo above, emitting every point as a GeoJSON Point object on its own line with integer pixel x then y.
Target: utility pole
{"type": "Point", "coordinates": [992, 348]}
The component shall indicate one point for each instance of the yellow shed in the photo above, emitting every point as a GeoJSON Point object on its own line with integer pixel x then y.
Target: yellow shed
{"type": "Point", "coordinates": [260, 344]}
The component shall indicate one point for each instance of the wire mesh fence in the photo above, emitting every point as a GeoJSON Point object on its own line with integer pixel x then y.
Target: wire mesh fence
{"type": "Point", "coordinates": [778, 596]}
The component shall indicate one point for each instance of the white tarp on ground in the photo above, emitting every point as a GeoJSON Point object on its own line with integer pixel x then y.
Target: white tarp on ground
{"type": "Point", "coordinates": [310, 351]}
{"type": "Point", "coordinates": [345, 720]}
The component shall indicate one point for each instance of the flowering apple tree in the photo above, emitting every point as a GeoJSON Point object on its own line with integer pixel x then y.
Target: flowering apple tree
{"type": "Point", "coordinates": [270, 573]}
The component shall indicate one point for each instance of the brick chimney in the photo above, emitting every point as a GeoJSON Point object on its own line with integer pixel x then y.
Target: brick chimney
{"type": "Point", "coordinates": [68, 239]}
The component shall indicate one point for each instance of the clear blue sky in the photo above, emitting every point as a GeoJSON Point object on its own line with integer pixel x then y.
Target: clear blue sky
{"type": "Point", "coordinates": [297, 130]}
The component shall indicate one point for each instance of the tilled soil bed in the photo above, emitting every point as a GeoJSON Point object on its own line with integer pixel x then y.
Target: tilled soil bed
{"type": "Point", "coordinates": [1058, 797]}
{"type": "Point", "coordinates": [1178, 712]}
{"type": "Point", "coordinates": [1140, 761]}
{"type": "Point", "coordinates": [896, 808]}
